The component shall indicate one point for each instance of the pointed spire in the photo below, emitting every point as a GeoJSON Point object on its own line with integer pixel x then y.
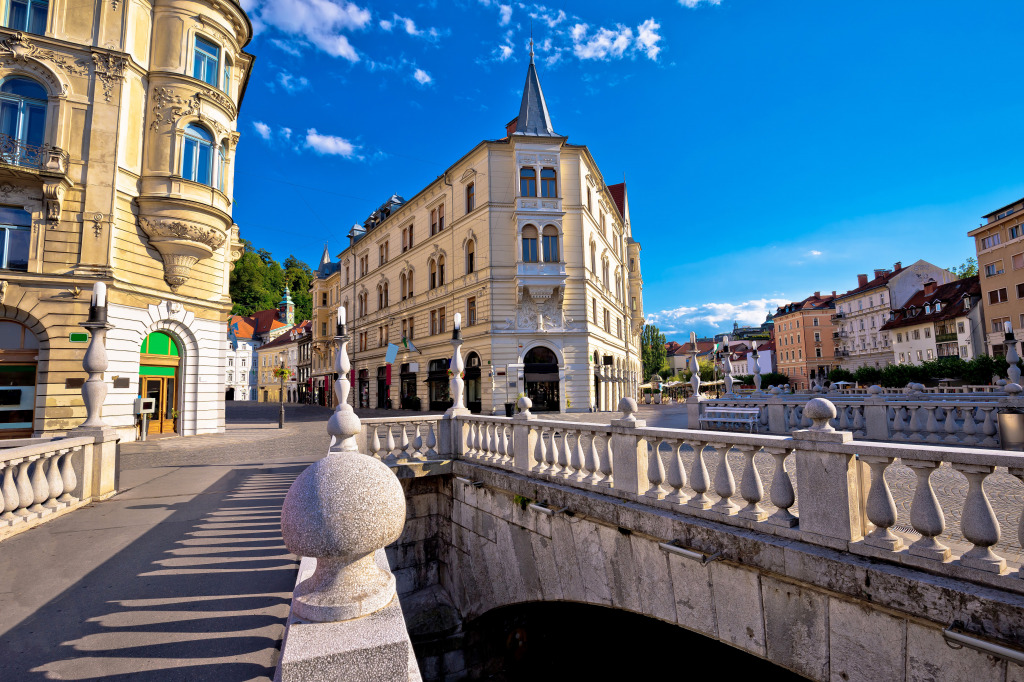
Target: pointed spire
{"type": "Point", "coordinates": [533, 112]}
{"type": "Point", "coordinates": [326, 258]}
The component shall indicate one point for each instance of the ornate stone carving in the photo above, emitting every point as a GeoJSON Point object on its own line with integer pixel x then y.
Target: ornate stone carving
{"type": "Point", "coordinates": [181, 245]}
{"type": "Point", "coordinates": [3, 290]}
{"type": "Point", "coordinates": [169, 107]}
{"type": "Point", "coordinates": [18, 47]}
{"type": "Point", "coordinates": [220, 98]}
{"type": "Point", "coordinates": [540, 310]}
{"type": "Point", "coordinates": [53, 196]}
{"type": "Point", "coordinates": [9, 191]}
{"type": "Point", "coordinates": [71, 66]}
{"type": "Point", "coordinates": [109, 69]}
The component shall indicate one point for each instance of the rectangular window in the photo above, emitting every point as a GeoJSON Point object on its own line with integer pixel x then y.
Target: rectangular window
{"type": "Point", "coordinates": [530, 249]}
{"type": "Point", "coordinates": [817, 335]}
{"type": "Point", "coordinates": [548, 186]}
{"type": "Point", "coordinates": [206, 66]}
{"type": "Point", "coordinates": [963, 351]}
{"type": "Point", "coordinates": [440, 320]}
{"type": "Point", "coordinates": [993, 269]}
{"type": "Point", "coordinates": [990, 241]}
{"type": "Point", "coordinates": [471, 310]}
{"type": "Point", "coordinates": [594, 306]}
{"type": "Point", "coordinates": [1020, 291]}
{"type": "Point", "coordinates": [323, 329]}
{"type": "Point", "coordinates": [550, 244]}
{"type": "Point", "coordinates": [899, 337]}
{"type": "Point", "coordinates": [28, 15]}
{"type": "Point", "coordinates": [1017, 261]}
{"type": "Point", "coordinates": [607, 321]}
{"type": "Point", "coordinates": [440, 217]}
{"type": "Point", "coordinates": [433, 221]}
{"type": "Point", "coordinates": [817, 352]}
{"type": "Point", "coordinates": [527, 182]}
{"type": "Point", "coordinates": [997, 296]}
{"type": "Point", "coordinates": [927, 333]}
{"type": "Point", "coordinates": [412, 328]}
{"type": "Point", "coordinates": [618, 328]}
{"type": "Point", "coordinates": [590, 202]}
{"type": "Point", "coordinates": [470, 197]}
{"type": "Point", "coordinates": [928, 354]}
{"type": "Point", "coordinates": [998, 323]}
{"type": "Point", "coordinates": [917, 334]}
{"type": "Point", "coordinates": [919, 355]}
{"type": "Point", "coordinates": [960, 327]}
{"type": "Point", "coordinates": [1014, 231]}
{"type": "Point", "coordinates": [816, 322]}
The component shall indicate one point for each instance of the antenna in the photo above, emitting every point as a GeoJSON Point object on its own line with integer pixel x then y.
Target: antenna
{"type": "Point", "coordinates": [531, 41]}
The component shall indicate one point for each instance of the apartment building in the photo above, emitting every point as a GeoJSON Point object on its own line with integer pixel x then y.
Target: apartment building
{"type": "Point", "coordinates": [804, 339]}
{"type": "Point", "coordinates": [861, 312]}
{"type": "Point", "coordinates": [999, 242]}
{"type": "Point", "coordinates": [116, 163]}
{"type": "Point", "coordinates": [522, 238]}
{"type": "Point", "coordinates": [939, 321]}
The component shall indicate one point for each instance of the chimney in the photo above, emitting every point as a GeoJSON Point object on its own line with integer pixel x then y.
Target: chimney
{"type": "Point", "coordinates": [862, 280]}
{"type": "Point", "coordinates": [929, 287]}
{"type": "Point", "coordinates": [897, 266]}
{"type": "Point", "coordinates": [510, 127]}
{"type": "Point", "coordinates": [879, 272]}
{"type": "Point", "coordinates": [833, 293]}
{"type": "Point", "coordinates": [817, 294]}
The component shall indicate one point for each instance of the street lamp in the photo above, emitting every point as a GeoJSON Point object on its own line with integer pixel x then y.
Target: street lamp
{"type": "Point", "coordinates": [282, 372]}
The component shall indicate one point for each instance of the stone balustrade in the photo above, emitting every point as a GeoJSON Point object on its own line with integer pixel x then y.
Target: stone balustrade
{"type": "Point", "coordinates": [41, 479]}
{"type": "Point", "coordinates": [817, 485]}
{"type": "Point", "coordinates": [399, 438]}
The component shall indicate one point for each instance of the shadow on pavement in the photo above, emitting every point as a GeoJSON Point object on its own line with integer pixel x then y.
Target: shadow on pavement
{"type": "Point", "coordinates": [202, 596]}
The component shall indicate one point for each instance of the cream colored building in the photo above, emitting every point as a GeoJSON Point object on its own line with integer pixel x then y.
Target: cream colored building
{"type": "Point", "coordinates": [524, 239]}
{"type": "Point", "coordinates": [116, 161]}
{"type": "Point", "coordinates": [999, 242]}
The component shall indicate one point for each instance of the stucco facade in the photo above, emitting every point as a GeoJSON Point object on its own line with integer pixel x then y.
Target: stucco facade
{"type": "Point", "coordinates": [119, 169]}
{"type": "Point", "coordinates": [524, 239]}
{"type": "Point", "coordinates": [804, 339]}
{"type": "Point", "coordinates": [999, 243]}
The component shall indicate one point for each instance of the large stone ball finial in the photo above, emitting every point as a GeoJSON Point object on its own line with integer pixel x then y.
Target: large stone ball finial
{"type": "Point", "coordinates": [1013, 389]}
{"type": "Point", "coordinates": [524, 405]}
{"type": "Point", "coordinates": [820, 411]}
{"type": "Point", "coordinates": [875, 390]}
{"type": "Point", "coordinates": [628, 408]}
{"type": "Point", "coordinates": [341, 510]}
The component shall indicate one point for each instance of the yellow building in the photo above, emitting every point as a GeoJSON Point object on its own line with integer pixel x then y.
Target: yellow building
{"type": "Point", "coordinates": [1000, 246]}
{"type": "Point", "coordinates": [117, 140]}
{"type": "Point", "coordinates": [524, 240]}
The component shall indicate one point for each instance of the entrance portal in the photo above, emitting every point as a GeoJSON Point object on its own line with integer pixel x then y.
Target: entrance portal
{"type": "Point", "coordinates": [540, 374]}
{"type": "Point", "coordinates": [159, 365]}
{"type": "Point", "coordinates": [19, 348]}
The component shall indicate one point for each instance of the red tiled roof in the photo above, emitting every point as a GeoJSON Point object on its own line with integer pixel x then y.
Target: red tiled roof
{"type": "Point", "coordinates": [674, 348]}
{"type": "Point", "coordinates": [282, 340]}
{"type": "Point", "coordinates": [242, 325]}
{"type": "Point", "coordinates": [259, 322]}
{"type": "Point", "coordinates": [951, 296]}
{"type": "Point", "coordinates": [873, 283]}
{"type": "Point", "coordinates": [812, 302]}
{"type": "Point", "coordinates": [618, 193]}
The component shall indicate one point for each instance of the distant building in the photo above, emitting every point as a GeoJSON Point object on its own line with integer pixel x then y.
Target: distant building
{"type": "Point", "coordinates": [765, 358]}
{"type": "Point", "coordinates": [247, 333]}
{"type": "Point", "coordinates": [678, 355]}
{"type": "Point", "coordinates": [861, 312]}
{"type": "Point", "coordinates": [939, 321]}
{"type": "Point", "coordinates": [804, 339]}
{"type": "Point", "coordinates": [1000, 247]}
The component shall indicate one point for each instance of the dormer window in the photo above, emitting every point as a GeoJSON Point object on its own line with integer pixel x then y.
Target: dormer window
{"type": "Point", "coordinates": [938, 306]}
{"type": "Point", "coordinates": [927, 308]}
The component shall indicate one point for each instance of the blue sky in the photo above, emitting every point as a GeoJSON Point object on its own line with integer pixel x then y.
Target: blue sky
{"type": "Point", "coordinates": [772, 148]}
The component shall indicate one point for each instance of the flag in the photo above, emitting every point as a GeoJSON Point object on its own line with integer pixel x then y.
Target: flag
{"type": "Point", "coordinates": [392, 354]}
{"type": "Point", "coordinates": [232, 330]}
{"type": "Point", "coordinates": [408, 345]}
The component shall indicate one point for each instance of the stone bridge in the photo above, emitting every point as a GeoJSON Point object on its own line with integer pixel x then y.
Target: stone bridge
{"type": "Point", "coordinates": [814, 575]}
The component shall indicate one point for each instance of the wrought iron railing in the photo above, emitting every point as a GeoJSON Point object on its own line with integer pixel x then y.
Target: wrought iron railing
{"type": "Point", "coordinates": [15, 152]}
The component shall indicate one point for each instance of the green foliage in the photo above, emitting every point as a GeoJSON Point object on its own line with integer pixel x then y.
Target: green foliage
{"type": "Point", "coordinates": [652, 353]}
{"type": "Point", "coordinates": [773, 379]}
{"type": "Point", "coordinates": [298, 276]}
{"type": "Point", "coordinates": [978, 371]}
{"type": "Point", "coordinates": [257, 283]}
{"type": "Point", "coordinates": [840, 374]}
{"type": "Point", "coordinates": [968, 268]}
{"type": "Point", "coordinates": [867, 376]}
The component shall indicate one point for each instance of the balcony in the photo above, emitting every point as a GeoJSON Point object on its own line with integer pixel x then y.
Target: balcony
{"type": "Point", "coordinates": [838, 316]}
{"type": "Point", "coordinates": [14, 152]}
{"type": "Point", "coordinates": [944, 338]}
{"type": "Point", "coordinates": [842, 353]}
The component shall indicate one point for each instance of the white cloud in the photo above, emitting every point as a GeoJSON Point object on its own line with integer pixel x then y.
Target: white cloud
{"type": "Point", "coordinates": [693, 3]}
{"type": "Point", "coordinates": [506, 14]}
{"type": "Point", "coordinates": [548, 16]}
{"type": "Point", "coordinates": [711, 315]}
{"type": "Point", "coordinates": [409, 26]}
{"type": "Point", "coordinates": [503, 52]}
{"type": "Point", "coordinates": [604, 43]}
{"type": "Point", "coordinates": [813, 254]}
{"type": "Point", "coordinates": [262, 129]}
{"type": "Point", "coordinates": [290, 48]}
{"type": "Point", "coordinates": [647, 38]}
{"type": "Point", "coordinates": [386, 25]}
{"type": "Point", "coordinates": [330, 144]}
{"type": "Point", "coordinates": [422, 77]}
{"type": "Point", "coordinates": [286, 133]}
{"type": "Point", "coordinates": [292, 83]}
{"type": "Point", "coordinates": [322, 23]}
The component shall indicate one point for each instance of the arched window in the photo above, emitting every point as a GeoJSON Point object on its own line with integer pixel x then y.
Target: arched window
{"type": "Point", "coordinates": [593, 257]}
{"type": "Point", "coordinates": [432, 281]}
{"type": "Point", "coordinates": [386, 304]}
{"type": "Point", "coordinates": [380, 296]}
{"type": "Point", "coordinates": [548, 184]}
{"type": "Point", "coordinates": [15, 233]}
{"type": "Point", "coordinates": [470, 257]}
{"type": "Point", "coordinates": [440, 271]}
{"type": "Point", "coordinates": [604, 273]}
{"type": "Point", "coordinates": [529, 244]}
{"type": "Point", "coordinates": [23, 111]}
{"type": "Point", "coordinates": [550, 244]}
{"type": "Point", "coordinates": [527, 182]}
{"type": "Point", "coordinates": [28, 16]}
{"type": "Point", "coordinates": [403, 285]}
{"type": "Point", "coordinates": [197, 157]}
{"type": "Point", "coordinates": [222, 168]}
{"type": "Point", "coordinates": [540, 355]}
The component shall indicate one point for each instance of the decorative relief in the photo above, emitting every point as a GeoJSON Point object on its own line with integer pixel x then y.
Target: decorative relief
{"type": "Point", "coordinates": [527, 159]}
{"type": "Point", "coordinates": [71, 66]}
{"type": "Point", "coordinates": [9, 191]}
{"type": "Point", "coordinates": [109, 69]}
{"type": "Point", "coordinates": [549, 159]}
{"type": "Point", "coordinates": [215, 95]}
{"type": "Point", "coordinates": [179, 229]}
{"type": "Point", "coordinates": [3, 290]}
{"type": "Point", "coordinates": [468, 175]}
{"type": "Point", "coordinates": [18, 47]}
{"type": "Point", "coordinates": [170, 107]}
{"type": "Point", "coordinates": [53, 197]}
{"type": "Point", "coordinates": [181, 245]}
{"type": "Point", "coordinates": [541, 311]}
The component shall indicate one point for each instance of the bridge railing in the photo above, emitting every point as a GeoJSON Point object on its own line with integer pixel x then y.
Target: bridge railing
{"type": "Point", "coordinates": [817, 485]}
{"type": "Point", "coordinates": [400, 438]}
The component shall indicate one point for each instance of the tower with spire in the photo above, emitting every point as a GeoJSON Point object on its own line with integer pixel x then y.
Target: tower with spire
{"type": "Point", "coordinates": [286, 308]}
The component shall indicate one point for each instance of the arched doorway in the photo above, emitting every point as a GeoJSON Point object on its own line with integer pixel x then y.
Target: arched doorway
{"type": "Point", "coordinates": [474, 399]}
{"type": "Point", "coordinates": [540, 374]}
{"type": "Point", "coordinates": [19, 349]}
{"type": "Point", "coordinates": [437, 385]}
{"type": "Point", "coordinates": [159, 366]}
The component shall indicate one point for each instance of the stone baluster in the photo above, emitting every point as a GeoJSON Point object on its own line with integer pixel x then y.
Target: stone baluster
{"type": "Point", "coordinates": [605, 458]}
{"type": "Point", "coordinates": [40, 492]}
{"type": "Point", "coordinates": [25, 494]}
{"type": "Point", "coordinates": [655, 472]}
{"type": "Point", "coordinates": [540, 462]}
{"type": "Point", "coordinates": [970, 428]}
{"type": "Point", "coordinates": [881, 509]}
{"type": "Point", "coordinates": [484, 441]}
{"type": "Point", "coordinates": [914, 424]}
{"type": "Point", "coordinates": [578, 459]}
{"type": "Point", "coordinates": [565, 456]}
{"type": "Point", "coordinates": [403, 443]}
{"type": "Point", "coordinates": [932, 425]}
{"type": "Point", "coordinates": [725, 482]}
{"type": "Point", "coordinates": [858, 420]}
{"type": "Point", "coordinates": [54, 483]}
{"type": "Point", "coordinates": [751, 488]}
{"type": "Point", "coordinates": [1019, 473]}
{"type": "Point", "coordinates": [9, 500]}
{"type": "Point", "coordinates": [95, 362]}
{"type": "Point", "coordinates": [699, 479]}
{"type": "Point", "coordinates": [782, 495]}
{"type": "Point", "coordinates": [844, 420]}
{"type": "Point", "coordinates": [552, 453]}
{"type": "Point", "coordinates": [899, 426]}
{"type": "Point", "coordinates": [978, 522]}
{"type": "Point", "coordinates": [950, 425]}
{"type": "Point", "coordinates": [676, 474]}
{"type": "Point", "coordinates": [417, 441]}
{"type": "Point", "coordinates": [989, 427]}
{"type": "Point", "coordinates": [375, 443]}
{"type": "Point", "coordinates": [490, 441]}
{"type": "Point", "coordinates": [471, 434]}
{"type": "Point", "coordinates": [431, 441]}
{"type": "Point", "coordinates": [506, 444]}
{"type": "Point", "coordinates": [68, 476]}
{"type": "Point", "coordinates": [591, 460]}
{"type": "Point", "coordinates": [391, 441]}
{"type": "Point", "coordinates": [925, 513]}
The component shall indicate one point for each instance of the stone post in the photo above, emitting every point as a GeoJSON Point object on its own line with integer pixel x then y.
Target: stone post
{"type": "Point", "coordinates": [828, 484]}
{"type": "Point", "coordinates": [1013, 371]}
{"type": "Point", "coordinates": [693, 402]}
{"type": "Point", "coordinates": [629, 451]}
{"type": "Point", "coordinates": [452, 434]}
{"type": "Point", "coordinates": [95, 362]}
{"type": "Point", "coordinates": [757, 372]}
{"type": "Point", "coordinates": [346, 622]}
{"type": "Point", "coordinates": [876, 415]}
{"type": "Point", "coordinates": [524, 438]}
{"type": "Point", "coordinates": [776, 411]}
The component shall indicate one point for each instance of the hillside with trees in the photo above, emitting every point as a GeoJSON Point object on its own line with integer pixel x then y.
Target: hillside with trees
{"type": "Point", "coordinates": [258, 281]}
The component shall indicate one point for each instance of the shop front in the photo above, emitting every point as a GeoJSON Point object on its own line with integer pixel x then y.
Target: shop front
{"type": "Point", "coordinates": [474, 399]}
{"type": "Point", "coordinates": [363, 388]}
{"type": "Point", "coordinates": [19, 349]}
{"type": "Point", "coordinates": [410, 401]}
{"type": "Point", "coordinates": [437, 385]}
{"type": "Point", "coordinates": [540, 374]}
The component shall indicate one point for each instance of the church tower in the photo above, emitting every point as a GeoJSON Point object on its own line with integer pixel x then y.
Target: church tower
{"type": "Point", "coordinates": [286, 308]}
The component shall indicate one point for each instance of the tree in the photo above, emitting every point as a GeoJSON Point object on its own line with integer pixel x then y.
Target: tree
{"type": "Point", "coordinates": [968, 268]}
{"type": "Point", "coordinates": [250, 290]}
{"type": "Point", "coordinates": [298, 277]}
{"type": "Point", "coordinates": [840, 374]}
{"type": "Point", "coordinates": [652, 350]}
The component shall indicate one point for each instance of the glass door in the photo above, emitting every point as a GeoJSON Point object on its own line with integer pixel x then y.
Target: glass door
{"type": "Point", "coordinates": [165, 415]}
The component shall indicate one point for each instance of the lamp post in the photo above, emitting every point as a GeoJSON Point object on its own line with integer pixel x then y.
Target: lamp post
{"type": "Point", "coordinates": [280, 396]}
{"type": "Point", "coordinates": [1013, 371]}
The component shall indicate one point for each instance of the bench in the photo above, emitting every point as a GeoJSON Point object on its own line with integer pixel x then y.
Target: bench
{"type": "Point", "coordinates": [750, 416]}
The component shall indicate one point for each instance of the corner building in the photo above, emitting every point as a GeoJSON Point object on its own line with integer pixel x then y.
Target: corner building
{"type": "Point", "coordinates": [522, 237]}
{"type": "Point", "coordinates": [117, 144]}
